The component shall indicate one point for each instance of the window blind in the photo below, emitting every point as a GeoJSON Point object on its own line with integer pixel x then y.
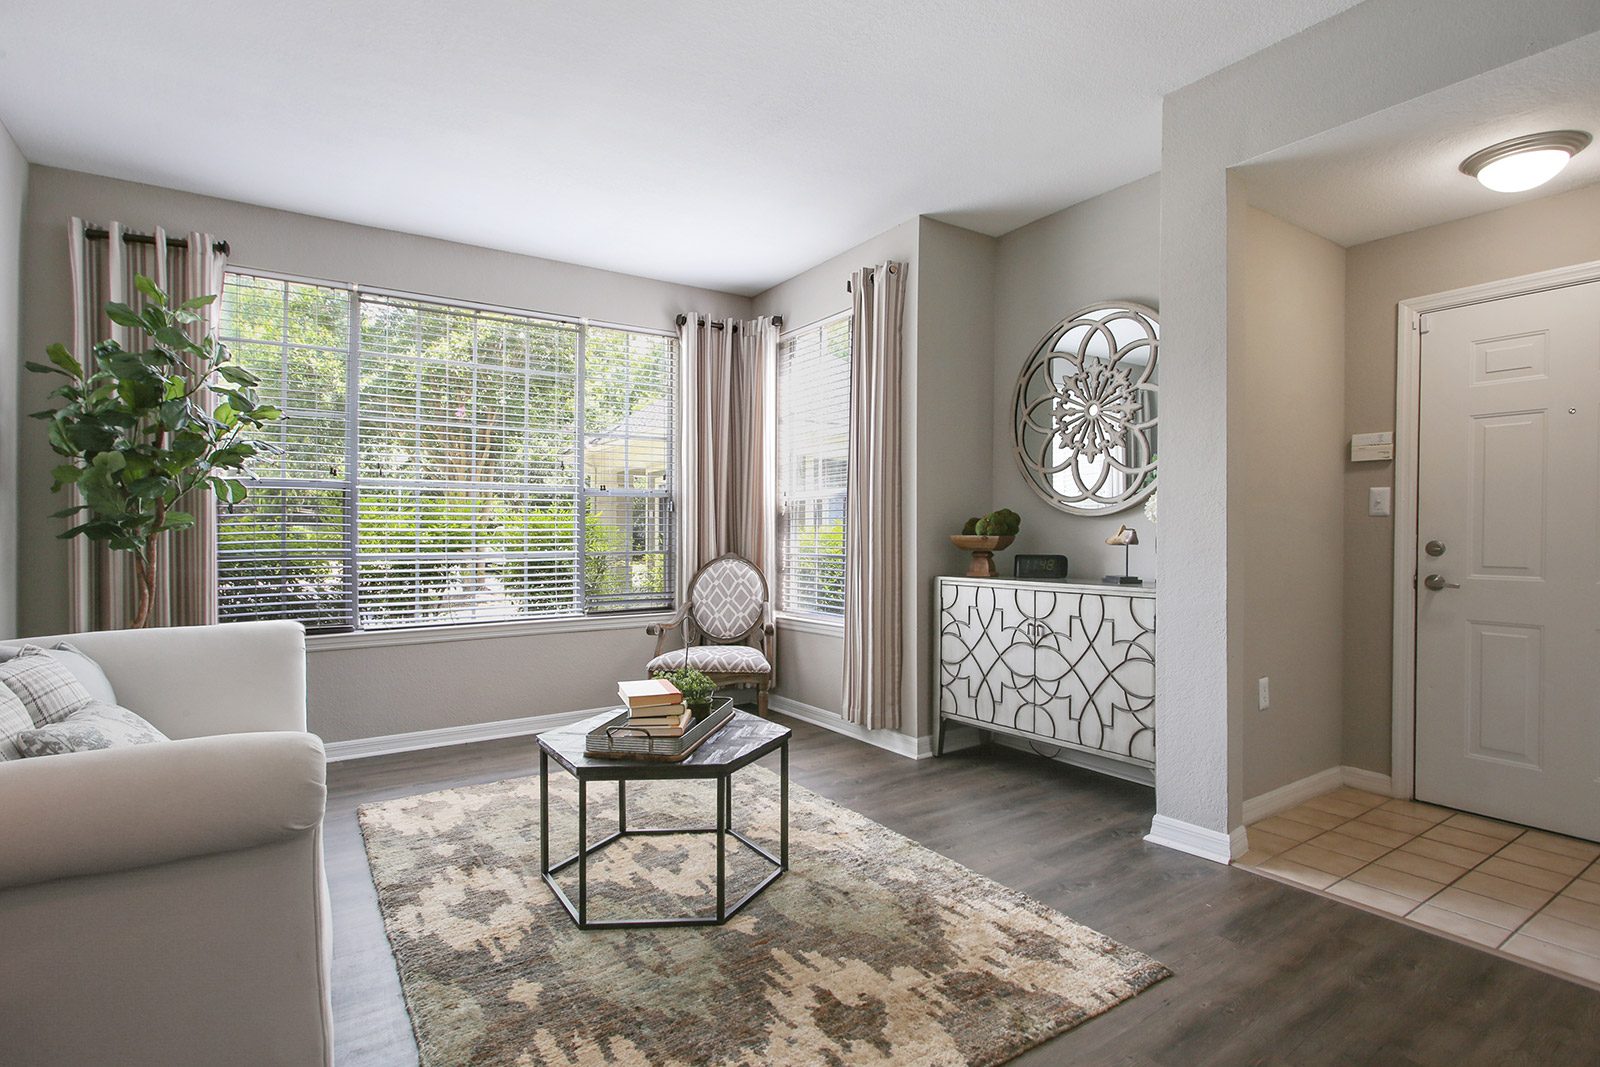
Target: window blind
{"type": "Point", "coordinates": [813, 401]}
{"type": "Point", "coordinates": [444, 463]}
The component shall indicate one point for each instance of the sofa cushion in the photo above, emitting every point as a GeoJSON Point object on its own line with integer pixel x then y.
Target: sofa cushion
{"type": "Point", "coordinates": [714, 659]}
{"type": "Point", "coordinates": [14, 719]}
{"type": "Point", "coordinates": [45, 685]}
{"type": "Point", "coordinates": [93, 726]}
{"type": "Point", "coordinates": [86, 670]}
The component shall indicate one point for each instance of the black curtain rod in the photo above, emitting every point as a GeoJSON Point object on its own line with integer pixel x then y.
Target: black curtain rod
{"type": "Point", "coordinates": [717, 324]}
{"type": "Point", "coordinates": [95, 233]}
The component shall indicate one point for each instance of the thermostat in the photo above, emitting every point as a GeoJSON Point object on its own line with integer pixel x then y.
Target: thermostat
{"type": "Point", "coordinates": [1365, 447]}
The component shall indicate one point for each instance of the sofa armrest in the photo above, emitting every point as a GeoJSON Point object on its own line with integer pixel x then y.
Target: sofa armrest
{"type": "Point", "coordinates": [192, 681]}
{"type": "Point", "coordinates": [120, 808]}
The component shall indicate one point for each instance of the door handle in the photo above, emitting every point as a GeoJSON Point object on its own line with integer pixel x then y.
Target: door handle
{"type": "Point", "coordinates": [1436, 581]}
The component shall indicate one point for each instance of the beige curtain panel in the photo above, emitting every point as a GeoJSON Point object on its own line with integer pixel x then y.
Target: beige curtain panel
{"type": "Point", "coordinates": [727, 370]}
{"type": "Point", "coordinates": [102, 586]}
{"type": "Point", "coordinates": [873, 645]}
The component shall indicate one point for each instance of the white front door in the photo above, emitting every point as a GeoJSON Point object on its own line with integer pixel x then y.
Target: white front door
{"type": "Point", "coordinates": [1508, 560]}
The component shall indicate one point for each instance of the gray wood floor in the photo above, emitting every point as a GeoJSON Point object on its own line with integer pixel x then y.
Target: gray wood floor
{"type": "Point", "coordinates": [1266, 974]}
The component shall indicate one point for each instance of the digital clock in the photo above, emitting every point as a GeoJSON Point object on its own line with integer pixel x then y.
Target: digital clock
{"type": "Point", "coordinates": [1045, 566]}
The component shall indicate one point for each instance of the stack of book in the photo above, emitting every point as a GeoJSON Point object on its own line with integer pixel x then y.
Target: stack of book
{"type": "Point", "coordinates": [655, 708]}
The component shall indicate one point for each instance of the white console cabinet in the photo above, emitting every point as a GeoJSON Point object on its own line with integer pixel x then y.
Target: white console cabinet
{"type": "Point", "coordinates": [1063, 664]}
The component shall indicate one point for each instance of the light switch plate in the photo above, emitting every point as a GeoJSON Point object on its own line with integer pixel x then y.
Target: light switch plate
{"type": "Point", "coordinates": [1378, 498]}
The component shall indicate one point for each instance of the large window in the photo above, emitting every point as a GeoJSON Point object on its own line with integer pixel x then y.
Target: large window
{"type": "Point", "coordinates": [444, 463]}
{"type": "Point", "coordinates": [813, 461]}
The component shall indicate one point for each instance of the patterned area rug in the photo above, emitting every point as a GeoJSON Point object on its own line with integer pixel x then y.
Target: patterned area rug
{"type": "Point", "coordinates": [870, 950]}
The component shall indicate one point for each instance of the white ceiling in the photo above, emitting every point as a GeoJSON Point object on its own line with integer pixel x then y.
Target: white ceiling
{"type": "Point", "coordinates": [723, 143]}
{"type": "Point", "coordinates": [1396, 171]}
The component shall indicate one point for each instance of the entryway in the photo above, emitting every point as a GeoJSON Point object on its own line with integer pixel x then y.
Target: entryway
{"type": "Point", "coordinates": [1521, 893]}
{"type": "Point", "coordinates": [1506, 551]}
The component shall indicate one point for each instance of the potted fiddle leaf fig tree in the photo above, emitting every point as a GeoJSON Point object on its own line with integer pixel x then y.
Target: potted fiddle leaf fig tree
{"type": "Point", "coordinates": [143, 430]}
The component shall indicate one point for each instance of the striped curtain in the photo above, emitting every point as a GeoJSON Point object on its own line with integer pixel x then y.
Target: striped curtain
{"type": "Point", "coordinates": [873, 554]}
{"type": "Point", "coordinates": [102, 587]}
{"type": "Point", "coordinates": [728, 369]}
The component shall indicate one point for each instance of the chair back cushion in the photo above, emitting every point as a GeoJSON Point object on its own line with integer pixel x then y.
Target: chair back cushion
{"type": "Point", "coordinates": [727, 597]}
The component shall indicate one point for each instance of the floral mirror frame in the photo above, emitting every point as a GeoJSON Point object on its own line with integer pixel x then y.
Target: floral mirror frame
{"type": "Point", "coordinates": [1086, 408]}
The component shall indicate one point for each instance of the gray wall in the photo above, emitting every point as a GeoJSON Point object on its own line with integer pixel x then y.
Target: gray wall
{"type": "Point", "coordinates": [1555, 231]}
{"type": "Point", "coordinates": [13, 195]}
{"type": "Point", "coordinates": [950, 465]}
{"type": "Point", "coordinates": [1355, 64]}
{"type": "Point", "coordinates": [1289, 403]}
{"type": "Point", "coordinates": [811, 664]}
{"type": "Point", "coordinates": [1107, 248]}
{"type": "Point", "coordinates": [355, 692]}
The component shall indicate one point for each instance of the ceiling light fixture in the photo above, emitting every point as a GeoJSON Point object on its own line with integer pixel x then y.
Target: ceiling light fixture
{"type": "Point", "coordinates": [1524, 162]}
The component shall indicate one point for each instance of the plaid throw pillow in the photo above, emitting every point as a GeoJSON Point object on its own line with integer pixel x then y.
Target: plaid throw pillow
{"type": "Point", "coordinates": [14, 719]}
{"type": "Point", "coordinates": [45, 686]}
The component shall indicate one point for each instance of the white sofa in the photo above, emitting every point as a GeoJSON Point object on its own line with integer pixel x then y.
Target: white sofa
{"type": "Point", "coordinates": [165, 903]}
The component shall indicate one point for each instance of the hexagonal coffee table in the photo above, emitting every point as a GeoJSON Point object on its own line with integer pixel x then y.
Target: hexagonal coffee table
{"type": "Point", "coordinates": [739, 743]}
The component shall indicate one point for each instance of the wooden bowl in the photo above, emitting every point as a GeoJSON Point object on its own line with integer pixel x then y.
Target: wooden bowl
{"type": "Point", "coordinates": [983, 550]}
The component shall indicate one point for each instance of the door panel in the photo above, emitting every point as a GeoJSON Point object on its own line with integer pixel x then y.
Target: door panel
{"type": "Point", "coordinates": [1509, 481]}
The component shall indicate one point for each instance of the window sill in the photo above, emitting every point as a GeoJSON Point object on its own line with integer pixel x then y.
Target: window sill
{"type": "Point", "coordinates": [811, 624]}
{"type": "Point", "coordinates": [484, 631]}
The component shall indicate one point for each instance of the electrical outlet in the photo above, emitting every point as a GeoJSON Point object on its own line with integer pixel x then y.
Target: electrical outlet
{"type": "Point", "coordinates": [1262, 699]}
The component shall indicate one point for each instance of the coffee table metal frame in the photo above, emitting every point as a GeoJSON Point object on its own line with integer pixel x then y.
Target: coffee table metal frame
{"type": "Point", "coordinates": [588, 769]}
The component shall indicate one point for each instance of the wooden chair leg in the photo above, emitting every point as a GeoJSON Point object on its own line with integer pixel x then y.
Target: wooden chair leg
{"type": "Point", "coordinates": [761, 700]}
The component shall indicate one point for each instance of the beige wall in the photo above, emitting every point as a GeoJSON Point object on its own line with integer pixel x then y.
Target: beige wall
{"type": "Point", "coordinates": [13, 196]}
{"type": "Point", "coordinates": [1106, 248]}
{"type": "Point", "coordinates": [1289, 404]}
{"type": "Point", "coordinates": [367, 691]}
{"type": "Point", "coordinates": [1556, 231]}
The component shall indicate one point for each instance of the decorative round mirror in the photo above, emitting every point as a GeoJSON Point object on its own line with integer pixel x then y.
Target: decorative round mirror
{"type": "Point", "coordinates": [1084, 422]}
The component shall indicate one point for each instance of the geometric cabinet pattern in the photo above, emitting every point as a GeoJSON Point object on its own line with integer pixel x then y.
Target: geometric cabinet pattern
{"type": "Point", "coordinates": [1051, 662]}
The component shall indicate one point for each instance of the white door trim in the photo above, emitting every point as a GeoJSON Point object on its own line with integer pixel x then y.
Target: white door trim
{"type": "Point", "coordinates": [1408, 396]}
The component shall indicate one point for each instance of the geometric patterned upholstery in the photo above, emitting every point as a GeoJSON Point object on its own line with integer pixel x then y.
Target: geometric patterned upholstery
{"type": "Point", "coordinates": [713, 659]}
{"type": "Point", "coordinates": [727, 599]}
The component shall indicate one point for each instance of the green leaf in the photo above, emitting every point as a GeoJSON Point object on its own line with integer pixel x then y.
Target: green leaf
{"type": "Point", "coordinates": [62, 358]}
{"type": "Point", "coordinates": [198, 302]}
{"type": "Point", "coordinates": [173, 337]}
{"type": "Point", "coordinates": [157, 485]}
{"type": "Point", "coordinates": [148, 288]}
{"type": "Point", "coordinates": [67, 473]}
{"type": "Point", "coordinates": [123, 315]}
{"type": "Point", "coordinates": [44, 368]}
{"type": "Point", "coordinates": [65, 512]}
{"type": "Point", "coordinates": [176, 520]}
{"type": "Point", "coordinates": [238, 375]}
{"type": "Point", "coordinates": [225, 414]}
{"type": "Point", "coordinates": [111, 461]}
{"type": "Point", "coordinates": [88, 437]}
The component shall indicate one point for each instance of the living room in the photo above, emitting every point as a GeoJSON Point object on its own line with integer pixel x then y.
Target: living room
{"type": "Point", "coordinates": [1270, 563]}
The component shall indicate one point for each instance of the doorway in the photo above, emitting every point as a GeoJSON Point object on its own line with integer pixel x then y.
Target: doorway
{"type": "Point", "coordinates": [1499, 558]}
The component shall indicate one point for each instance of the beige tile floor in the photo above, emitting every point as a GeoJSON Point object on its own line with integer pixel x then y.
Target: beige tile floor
{"type": "Point", "coordinates": [1528, 894]}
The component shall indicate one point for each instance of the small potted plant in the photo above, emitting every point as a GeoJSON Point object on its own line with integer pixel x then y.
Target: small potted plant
{"type": "Point", "coordinates": [696, 688]}
{"type": "Point", "coordinates": [986, 536]}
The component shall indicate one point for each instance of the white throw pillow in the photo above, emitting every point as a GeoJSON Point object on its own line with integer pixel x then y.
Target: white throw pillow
{"type": "Point", "coordinates": [91, 727]}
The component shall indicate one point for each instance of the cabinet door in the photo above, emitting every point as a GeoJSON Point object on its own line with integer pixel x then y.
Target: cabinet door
{"type": "Point", "coordinates": [1094, 671]}
{"type": "Point", "coordinates": [977, 626]}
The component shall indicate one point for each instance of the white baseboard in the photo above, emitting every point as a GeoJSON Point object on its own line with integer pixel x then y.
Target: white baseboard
{"type": "Point", "coordinates": [1285, 797]}
{"type": "Point", "coordinates": [444, 736]}
{"type": "Point", "coordinates": [1371, 781]}
{"type": "Point", "coordinates": [889, 740]}
{"type": "Point", "coordinates": [1213, 845]}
